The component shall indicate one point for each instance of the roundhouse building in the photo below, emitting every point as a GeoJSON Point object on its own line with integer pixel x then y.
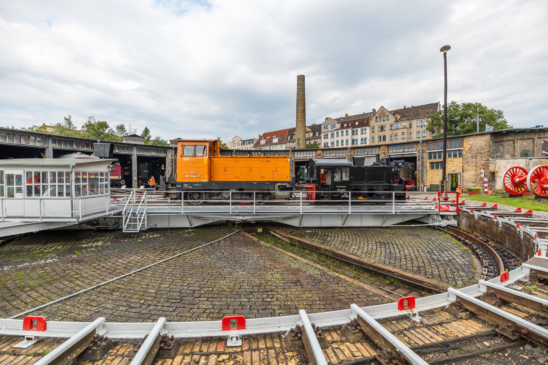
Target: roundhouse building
{"type": "Point", "coordinates": [132, 154]}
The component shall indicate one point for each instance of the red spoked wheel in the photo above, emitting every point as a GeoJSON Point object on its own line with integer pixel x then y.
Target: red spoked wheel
{"type": "Point", "coordinates": [515, 180]}
{"type": "Point", "coordinates": [537, 181]}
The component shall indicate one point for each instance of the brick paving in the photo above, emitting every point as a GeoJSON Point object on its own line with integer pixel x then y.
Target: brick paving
{"type": "Point", "coordinates": [420, 250]}
{"type": "Point", "coordinates": [233, 276]}
{"type": "Point", "coordinates": [38, 268]}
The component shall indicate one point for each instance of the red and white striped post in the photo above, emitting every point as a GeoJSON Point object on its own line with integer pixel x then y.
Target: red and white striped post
{"type": "Point", "coordinates": [485, 187]}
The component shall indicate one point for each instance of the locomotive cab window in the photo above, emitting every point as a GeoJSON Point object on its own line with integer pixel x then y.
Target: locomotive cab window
{"type": "Point", "coordinates": [188, 151]}
{"type": "Point", "coordinates": [346, 174]}
{"type": "Point", "coordinates": [201, 151]}
{"type": "Point", "coordinates": [337, 174]}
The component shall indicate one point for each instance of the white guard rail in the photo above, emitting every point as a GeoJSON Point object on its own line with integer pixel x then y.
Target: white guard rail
{"type": "Point", "coordinates": [53, 208]}
{"type": "Point", "coordinates": [253, 202]}
{"type": "Point", "coordinates": [60, 350]}
{"type": "Point", "coordinates": [253, 326]}
{"type": "Point", "coordinates": [146, 347]}
{"type": "Point", "coordinates": [406, 351]}
{"type": "Point", "coordinates": [312, 339]}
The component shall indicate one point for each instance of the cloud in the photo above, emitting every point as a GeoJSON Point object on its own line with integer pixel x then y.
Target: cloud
{"type": "Point", "coordinates": [197, 69]}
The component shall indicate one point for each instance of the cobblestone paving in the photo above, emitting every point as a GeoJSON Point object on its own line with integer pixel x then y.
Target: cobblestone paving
{"type": "Point", "coordinates": [39, 268]}
{"type": "Point", "coordinates": [420, 250]}
{"type": "Point", "coordinates": [233, 276]}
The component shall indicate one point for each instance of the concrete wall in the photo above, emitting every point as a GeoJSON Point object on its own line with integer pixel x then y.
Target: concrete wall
{"type": "Point", "coordinates": [506, 236]}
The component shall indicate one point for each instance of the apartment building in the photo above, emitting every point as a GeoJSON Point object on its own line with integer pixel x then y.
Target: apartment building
{"type": "Point", "coordinates": [241, 144]}
{"type": "Point", "coordinates": [275, 140]}
{"type": "Point", "coordinates": [401, 125]}
{"type": "Point", "coordinates": [346, 131]}
{"type": "Point", "coordinates": [312, 134]}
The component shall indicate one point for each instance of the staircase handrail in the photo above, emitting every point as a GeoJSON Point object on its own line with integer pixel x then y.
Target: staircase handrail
{"type": "Point", "coordinates": [126, 221]}
{"type": "Point", "coordinates": [144, 211]}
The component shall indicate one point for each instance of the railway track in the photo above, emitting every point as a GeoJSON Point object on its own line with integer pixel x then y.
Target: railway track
{"type": "Point", "coordinates": [495, 260]}
{"type": "Point", "coordinates": [413, 281]}
{"type": "Point", "coordinates": [441, 336]}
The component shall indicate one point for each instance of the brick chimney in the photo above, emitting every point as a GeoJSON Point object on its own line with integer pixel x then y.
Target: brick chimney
{"type": "Point", "coordinates": [374, 111]}
{"type": "Point", "coordinates": [300, 130]}
{"type": "Point", "coordinates": [346, 115]}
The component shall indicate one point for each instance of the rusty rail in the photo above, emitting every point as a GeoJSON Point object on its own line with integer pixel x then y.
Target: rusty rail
{"type": "Point", "coordinates": [497, 260]}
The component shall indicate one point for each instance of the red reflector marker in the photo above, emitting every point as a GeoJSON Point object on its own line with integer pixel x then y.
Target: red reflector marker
{"type": "Point", "coordinates": [34, 323]}
{"type": "Point", "coordinates": [232, 323]}
{"type": "Point", "coordinates": [406, 303]}
{"type": "Point", "coordinates": [505, 276]}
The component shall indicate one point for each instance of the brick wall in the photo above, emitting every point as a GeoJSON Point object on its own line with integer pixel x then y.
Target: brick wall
{"type": "Point", "coordinates": [424, 178]}
{"type": "Point", "coordinates": [476, 152]}
{"type": "Point", "coordinates": [511, 145]}
{"type": "Point", "coordinates": [506, 236]}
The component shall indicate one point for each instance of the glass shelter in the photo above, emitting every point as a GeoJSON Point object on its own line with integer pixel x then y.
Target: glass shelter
{"type": "Point", "coordinates": [52, 189]}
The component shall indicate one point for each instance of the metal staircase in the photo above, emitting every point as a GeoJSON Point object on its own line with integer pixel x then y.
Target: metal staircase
{"type": "Point", "coordinates": [135, 213]}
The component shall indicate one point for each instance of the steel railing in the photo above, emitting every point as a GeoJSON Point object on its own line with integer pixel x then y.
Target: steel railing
{"type": "Point", "coordinates": [293, 201]}
{"type": "Point", "coordinates": [42, 212]}
{"type": "Point", "coordinates": [134, 218]}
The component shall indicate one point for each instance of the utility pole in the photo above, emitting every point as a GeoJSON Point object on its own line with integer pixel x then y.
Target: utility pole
{"type": "Point", "coordinates": [477, 117]}
{"type": "Point", "coordinates": [444, 49]}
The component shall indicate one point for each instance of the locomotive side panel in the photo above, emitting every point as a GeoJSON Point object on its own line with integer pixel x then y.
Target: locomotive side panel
{"type": "Point", "coordinates": [250, 169]}
{"type": "Point", "coordinates": [192, 169]}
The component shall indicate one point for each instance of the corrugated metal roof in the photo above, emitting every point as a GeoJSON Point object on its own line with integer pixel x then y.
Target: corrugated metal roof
{"type": "Point", "coordinates": [331, 162]}
{"type": "Point", "coordinates": [51, 162]}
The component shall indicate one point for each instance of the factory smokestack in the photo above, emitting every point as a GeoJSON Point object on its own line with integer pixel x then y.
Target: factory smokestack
{"type": "Point", "coordinates": [300, 131]}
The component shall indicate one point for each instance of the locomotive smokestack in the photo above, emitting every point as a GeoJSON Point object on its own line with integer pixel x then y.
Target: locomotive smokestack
{"type": "Point", "coordinates": [300, 131]}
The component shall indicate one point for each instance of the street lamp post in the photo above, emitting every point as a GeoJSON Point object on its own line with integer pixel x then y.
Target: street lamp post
{"type": "Point", "coordinates": [444, 49]}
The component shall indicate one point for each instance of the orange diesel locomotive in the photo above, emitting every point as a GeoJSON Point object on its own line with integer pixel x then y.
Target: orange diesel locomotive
{"type": "Point", "coordinates": [205, 171]}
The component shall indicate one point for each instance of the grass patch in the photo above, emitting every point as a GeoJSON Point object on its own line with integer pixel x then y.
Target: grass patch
{"type": "Point", "coordinates": [527, 202]}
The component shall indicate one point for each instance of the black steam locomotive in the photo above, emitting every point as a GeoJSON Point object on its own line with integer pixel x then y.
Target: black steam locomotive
{"type": "Point", "coordinates": [334, 179]}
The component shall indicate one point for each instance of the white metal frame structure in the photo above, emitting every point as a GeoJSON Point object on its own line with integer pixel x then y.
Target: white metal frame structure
{"type": "Point", "coordinates": [297, 211]}
{"type": "Point", "coordinates": [37, 194]}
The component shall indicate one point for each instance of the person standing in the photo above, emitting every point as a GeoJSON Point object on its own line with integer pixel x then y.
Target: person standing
{"type": "Point", "coordinates": [152, 183]}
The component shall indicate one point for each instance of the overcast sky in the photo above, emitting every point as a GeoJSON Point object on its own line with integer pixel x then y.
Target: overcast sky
{"type": "Point", "coordinates": [219, 68]}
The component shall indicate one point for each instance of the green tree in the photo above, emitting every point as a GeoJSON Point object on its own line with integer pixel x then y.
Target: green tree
{"type": "Point", "coordinates": [68, 124]}
{"type": "Point", "coordinates": [313, 145]}
{"type": "Point", "coordinates": [461, 119]}
{"type": "Point", "coordinates": [120, 130]}
{"type": "Point", "coordinates": [158, 141]}
{"type": "Point", "coordinates": [146, 135]}
{"type": "Point", "coordinates": [66, 128]}
{"type": "Point", "coordinates": [99, 130]}
{"type": "Point", "coordinates": [223, 145]}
